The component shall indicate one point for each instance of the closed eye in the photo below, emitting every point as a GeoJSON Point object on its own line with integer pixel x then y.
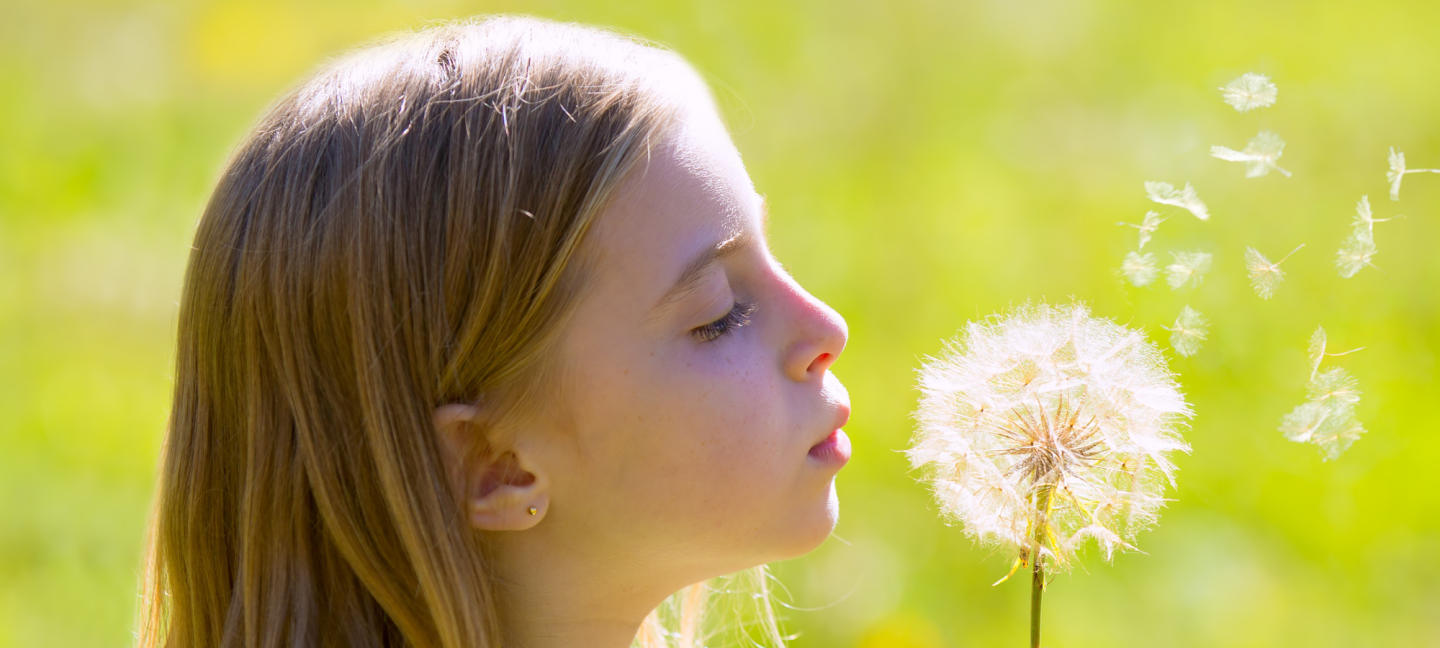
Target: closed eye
{"type": "Point", "coordinates": [738, 316]}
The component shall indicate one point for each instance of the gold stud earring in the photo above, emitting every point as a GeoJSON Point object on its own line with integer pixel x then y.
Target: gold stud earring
{"type": "Point", "coordinates": [534, 510]}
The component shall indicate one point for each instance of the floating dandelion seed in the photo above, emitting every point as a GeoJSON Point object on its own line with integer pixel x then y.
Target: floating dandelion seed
{"type": "Point", "coordinates": [1316, 350]}
{"type": "Point", "coordinates": [1365, 218]}
{"type": "Point", "coordinates": [1397, 172]}
{"type": "Point", "coordinates": [1166, 194]}
{"type": "Point", "coordinates": [1334, 386]}
{"type": "Point", "coordinates": [1147, 226]}
{"type": "Point", "coordinates": [1045, 428]}
{"type": "Point", "coordinates": [1265, 276]}
{"type": "Point", "coordinates": [1355, 253]}
{"type": "Point", "coordinates": [1261, 155]}
{"type": "Point", "coordinates": [1188, 269]}
{"type": "Point", "coordinates": [1139, 268]}
{"type": "Point", "coordinates": [1357, 250]}
{"type": "Point", "coordinates": [1250, 91]}
{"type": "Point", "coordinates": [1189, 331]}
{"type": "Point", "coordinates": [1333, 428]}
{"type": "Point", "coordinates": [1327, 418]}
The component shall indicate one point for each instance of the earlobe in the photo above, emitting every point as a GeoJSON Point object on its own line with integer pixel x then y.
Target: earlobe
{"type": "Point", "coordinates": [511, 507]}
{"type": "Point", "coordinates": [499, 488]}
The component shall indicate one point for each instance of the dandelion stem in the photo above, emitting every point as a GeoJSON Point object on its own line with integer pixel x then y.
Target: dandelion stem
{"type": "Point", "coordinates": [1044, 495]}
{"type": "Point", "coordinates": [1037, 587]}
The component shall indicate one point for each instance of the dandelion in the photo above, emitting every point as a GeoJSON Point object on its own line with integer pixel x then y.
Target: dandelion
{"type": "Point", "coordinates": [1189, 331]}
{"type": "Point", "coordinates": [1147, 226]}
{"type": "Point", "coordinates": [1188, 269]}
{"type": "Point", "coordinates": [1139, 268]}
{"type": "Point", "coordinates": [1265, 276]}
{"type": "Point", "coordinates": [1397, 172]}
{"type": "Point", "coordinates": [1166, 194]}
{"type": "Point", "coordinates": [1261, 155]}
{"type": "Point", "coordinates": [1045, 428]}
{"type": "Point", "coordinates": [1327, 418]}
{"type": "Point", "coordinates": [1250, 91]}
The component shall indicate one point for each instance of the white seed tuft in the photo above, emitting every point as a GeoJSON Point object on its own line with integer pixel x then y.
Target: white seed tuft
{"type": "Point", "coordinates": [1250, 91]}
{"type": "Point", "coordinates": [1166, 194]}
{"type": "Point", "coordinates": [1187, 270]}
{"type": "Point", "coordinates": [1139, 268]}
{"type": "Point", "coordinates": [1190, 329]}
{"type": "Point", "coordinates": [1397, 172]}
{"type": "Point", "coordinates": [1261, 155]}
{"type": "Point", "coordinates": [1147, 227]}
{"type": "Point", "coordinates": [1327, 417]}
{"type": "Point", "coordinates": [1265, 276]}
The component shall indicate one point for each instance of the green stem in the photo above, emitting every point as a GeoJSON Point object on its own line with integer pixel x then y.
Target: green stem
{"type": "Point", "coordinates": [1044, 497]}
{"type": "Point", "coordinates": [1037, 587]}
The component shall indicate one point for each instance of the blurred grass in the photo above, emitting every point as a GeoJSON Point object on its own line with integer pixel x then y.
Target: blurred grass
{"type": "Point", "coordinates": [926, 163]}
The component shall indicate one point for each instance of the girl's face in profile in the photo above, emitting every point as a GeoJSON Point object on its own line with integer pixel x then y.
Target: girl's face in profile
{"type": "Point", "coordinates": [699, 428]}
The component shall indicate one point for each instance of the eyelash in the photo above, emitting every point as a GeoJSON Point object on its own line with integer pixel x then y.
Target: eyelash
{"type": "Point", "coordinates": [738, 316]}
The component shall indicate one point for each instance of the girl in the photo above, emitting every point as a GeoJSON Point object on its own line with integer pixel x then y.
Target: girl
{"type": "Point", "coordinates": [481, 345]}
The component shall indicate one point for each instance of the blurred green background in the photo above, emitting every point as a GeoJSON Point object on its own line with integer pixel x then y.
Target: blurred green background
{"type": "Point", "coordinates": [926, 163]}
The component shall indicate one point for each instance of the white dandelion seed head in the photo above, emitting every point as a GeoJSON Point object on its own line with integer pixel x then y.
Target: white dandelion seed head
{"type": "Point", "coordinates": [1188, 269]}
{"type": "Point", "coordinates": [1190, 329]}
{"type": "Point", "coordinates": [1261, 155]}
{"type": "Point", "coordinates": [1165, 193]}
{"type": "Point", "coordinates": [1250, 91]}
{"type": "Point", "coordinates": [1045, 428]}
{"type": "Point", "coordinates": [1140, 269]}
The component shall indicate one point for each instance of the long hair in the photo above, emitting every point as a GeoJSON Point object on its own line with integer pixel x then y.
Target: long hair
{"type": "Point", "coordinates": [401, 231]}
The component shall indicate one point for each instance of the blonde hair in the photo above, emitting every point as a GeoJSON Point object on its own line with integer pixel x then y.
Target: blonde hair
{"type": "Point", "coordinates": [401, 231]}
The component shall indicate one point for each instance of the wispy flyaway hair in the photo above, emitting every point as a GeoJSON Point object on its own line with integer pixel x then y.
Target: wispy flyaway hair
{"type": "Point", "coordinates": [403, 230]}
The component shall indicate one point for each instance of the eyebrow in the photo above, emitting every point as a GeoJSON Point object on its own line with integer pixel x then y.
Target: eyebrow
{"type": "Point", "coordinates": [695, 270]}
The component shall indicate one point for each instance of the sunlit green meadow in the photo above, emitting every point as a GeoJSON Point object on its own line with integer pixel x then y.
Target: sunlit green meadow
{"type": "Point", "coordinates": [927, 163]}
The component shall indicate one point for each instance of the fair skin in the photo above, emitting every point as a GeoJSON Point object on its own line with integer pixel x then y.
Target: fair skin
{"type": "Point", "coordinates": [682, 447]}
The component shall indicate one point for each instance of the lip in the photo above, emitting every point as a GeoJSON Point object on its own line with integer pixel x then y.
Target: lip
{"type": "Point", "coordinates": [835, 447]}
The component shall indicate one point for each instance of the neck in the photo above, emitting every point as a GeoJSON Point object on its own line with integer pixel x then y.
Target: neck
{"type": "Point", "coordinates": [552, 598]}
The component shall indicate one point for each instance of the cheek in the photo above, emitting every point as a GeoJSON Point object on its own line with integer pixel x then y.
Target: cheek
{"type": "Point", "coordinates": [700, 440]}
{"type": "Point", "coordinates": [724, 427]}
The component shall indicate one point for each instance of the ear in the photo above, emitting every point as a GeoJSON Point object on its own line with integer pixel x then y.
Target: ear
{"type": "Point", "coordinates": [500, 487]}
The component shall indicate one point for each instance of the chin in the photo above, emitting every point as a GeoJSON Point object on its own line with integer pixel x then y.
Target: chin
{"type": "Point", "coordinates": [809, 527]}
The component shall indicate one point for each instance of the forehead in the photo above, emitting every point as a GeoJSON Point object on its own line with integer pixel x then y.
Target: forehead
{"type": "Point", "coordinates": [690, 193]}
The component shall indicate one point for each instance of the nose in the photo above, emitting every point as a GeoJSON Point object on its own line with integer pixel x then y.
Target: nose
{"type": "Point", "coordinates": [819, 335]}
